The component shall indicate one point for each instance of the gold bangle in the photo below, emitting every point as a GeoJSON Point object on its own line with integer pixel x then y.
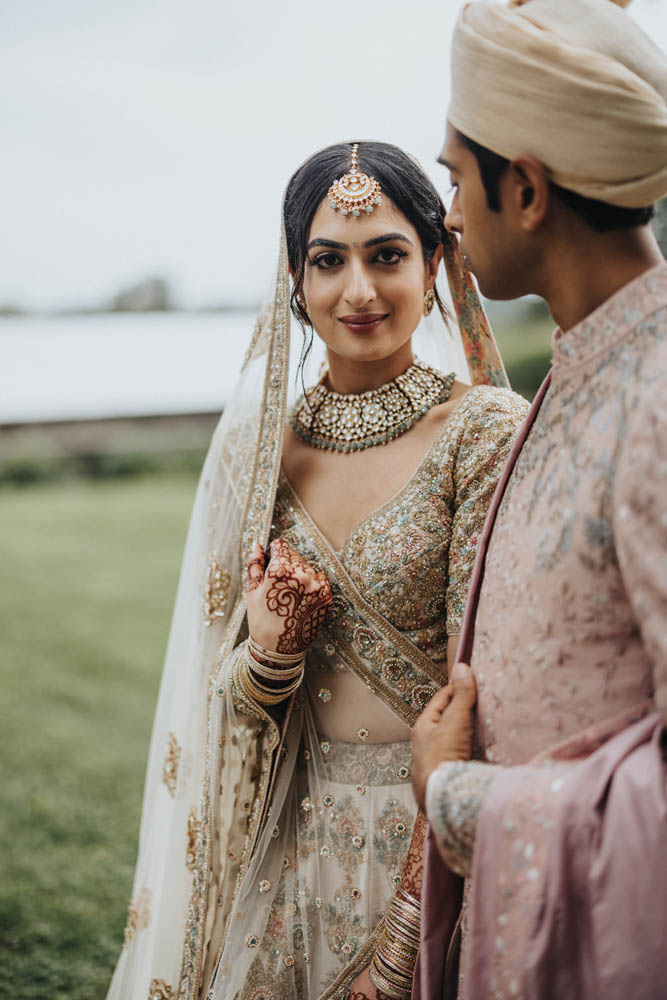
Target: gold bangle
{"type": "Point", "coordinates": [271, 674]}
{"type": "Point", "coordinates": [396, 990]}
{"type": "Point", "coordinates": [267, 696]}
{"type": "Point", "coordinates": [260, 694]}
{"type": "Point", "coordinates": [282, 690]}
{"type": "Point", "coordinates": [256, 696]}
{"type": "Point", "coordinates": [273, 657]}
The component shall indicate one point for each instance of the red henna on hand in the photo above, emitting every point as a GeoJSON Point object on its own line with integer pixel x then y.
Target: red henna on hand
{"type": "Point", "coordinates": [256, 568]}
{"type": "Point", "coordinates": [289, 604]}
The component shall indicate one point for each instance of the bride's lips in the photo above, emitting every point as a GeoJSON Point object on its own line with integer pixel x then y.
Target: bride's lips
{"type": "Point", "coordinates": [362, 322]}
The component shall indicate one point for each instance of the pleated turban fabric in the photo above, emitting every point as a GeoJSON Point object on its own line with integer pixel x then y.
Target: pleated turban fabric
{"type": "Point", "coordinates": [575, 83]}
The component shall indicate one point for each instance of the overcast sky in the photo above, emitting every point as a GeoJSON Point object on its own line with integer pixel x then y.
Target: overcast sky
{"type": "Point", "coordinates": [154, 137]}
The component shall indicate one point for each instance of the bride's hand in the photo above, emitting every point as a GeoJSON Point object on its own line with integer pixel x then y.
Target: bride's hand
{"type": "Point", "coordinates": [363, 989]}
{"type": "Point", "coordinates": [287, 599]}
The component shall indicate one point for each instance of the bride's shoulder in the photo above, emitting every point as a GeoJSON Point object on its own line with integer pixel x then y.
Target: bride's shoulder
{"type": "Point", "coordinates": [488, 412]}
{"type": "Point", "coordinates": [469, 406]}
{"type": "Point", "coordinates": [494, 399]}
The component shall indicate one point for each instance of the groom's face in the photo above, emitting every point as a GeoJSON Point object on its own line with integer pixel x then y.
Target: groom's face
{"type": "Point", "coordinates": [487, 239]}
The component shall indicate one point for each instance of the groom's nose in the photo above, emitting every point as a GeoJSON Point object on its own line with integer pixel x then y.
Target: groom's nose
{"type": "Point", "coordinates": [453, 218]}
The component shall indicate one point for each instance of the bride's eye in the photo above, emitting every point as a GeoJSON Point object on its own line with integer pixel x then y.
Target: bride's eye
{"type": "Point", "coordinates": [390, 255]}
{"type": "Point", "coordinates": [325, 261]}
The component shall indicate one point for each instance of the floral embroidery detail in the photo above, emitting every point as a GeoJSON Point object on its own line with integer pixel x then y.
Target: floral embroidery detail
{"type": "Point", "coordinates": [456, 792]}
{"type": "Point", "coordinates": [252, 941]}
{"type": "Point", "coordinates": [324, 851]}
{"type": "Point", "coordinates": [346, 830]}
{"type": "Point", "coordinates": [391, 836]}
{"type": "Point", "coordinates": [265, 885]}
{"type": "Point", "coordinates": [138, 915]}
{"type": "Point", "coordinates": [159, 990]}
{"type": "Point", "coordinates": [318, 902]}
{"type": "Point", "coordinates": [355, 894]}
{"type": "Point", "coordinates": [325, 746]}
{"type": "Point", "coordinates": [217, 592]}
{"type": "Point", "coordinates": [324, 694]}
{"type": "Point", "coordinates": [395, 879]}
{"type": "Point", "coordinates": [328, 799]}
{"type": "Point", "coordinates": [289, 961]}
{"type": "Point", "coordinates": [286, 863]}
{"type": "Point", "coordinates": [275, 832]}
{"type": "Point", "coordinates": [170, 766]}
{"type": "Point", "coordinates": [362, 734]}
{"type": "Point", "coordinates": [361, 789]}
{"type": "Point", "coordinates": [403, 772]}
{"type": "Point", "coordinates": [306, 957]}
{"type": "Point", "coordinates": [191, 849]}
{"type": "Point", "coordinates": [345, 929]}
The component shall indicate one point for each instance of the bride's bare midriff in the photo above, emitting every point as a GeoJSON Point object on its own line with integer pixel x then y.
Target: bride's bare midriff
{"type": "Point", "coordinates": [343, 707]}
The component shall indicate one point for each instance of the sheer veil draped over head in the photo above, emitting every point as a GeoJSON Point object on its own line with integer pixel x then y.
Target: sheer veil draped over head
{"type": "Point", "coordinates": [207, 764]}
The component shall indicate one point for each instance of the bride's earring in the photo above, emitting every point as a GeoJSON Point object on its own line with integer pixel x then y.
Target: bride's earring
{"type": "Point", "coordinates": [429, 302]}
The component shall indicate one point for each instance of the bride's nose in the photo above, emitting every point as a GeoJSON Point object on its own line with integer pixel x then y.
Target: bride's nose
{"type": "Point", "coordinates": [359, 288]}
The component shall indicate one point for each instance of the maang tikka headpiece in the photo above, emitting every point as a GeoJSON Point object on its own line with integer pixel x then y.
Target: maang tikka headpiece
{"type": "Point", "coordinates": [355, 192]}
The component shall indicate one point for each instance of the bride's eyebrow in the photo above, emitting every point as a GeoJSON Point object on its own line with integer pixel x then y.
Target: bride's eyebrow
{"type": "Point", "coordinates": [386, 239]}
{"type": "Point", "coordinates": [333, 245]}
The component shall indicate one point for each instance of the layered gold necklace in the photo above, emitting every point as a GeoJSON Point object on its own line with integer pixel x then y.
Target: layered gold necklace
{"type": "Point", "coordinates": [329, 420]}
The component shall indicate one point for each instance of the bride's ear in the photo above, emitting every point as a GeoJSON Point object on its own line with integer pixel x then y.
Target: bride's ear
{"type": "Point", "coordinates": [433, 265]}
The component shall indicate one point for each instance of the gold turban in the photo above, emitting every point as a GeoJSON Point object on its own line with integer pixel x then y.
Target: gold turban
{"type": "Point", "coordinates": [575, 83]}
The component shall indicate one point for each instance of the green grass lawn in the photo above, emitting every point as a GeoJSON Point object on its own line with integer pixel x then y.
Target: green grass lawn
{"type": "Point", "coordinates": [87, 580]}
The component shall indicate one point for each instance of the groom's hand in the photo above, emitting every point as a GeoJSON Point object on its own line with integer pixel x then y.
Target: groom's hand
{"type": "Point", "coordinates": [444, 729]}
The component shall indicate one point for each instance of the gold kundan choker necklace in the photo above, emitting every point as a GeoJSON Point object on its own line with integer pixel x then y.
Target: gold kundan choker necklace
{"type": "Point", "coordinates": [329, 420]}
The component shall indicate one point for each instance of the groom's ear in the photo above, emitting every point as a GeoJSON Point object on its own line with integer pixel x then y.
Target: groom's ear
{"type": "Point", "coordinates": [526, 186]}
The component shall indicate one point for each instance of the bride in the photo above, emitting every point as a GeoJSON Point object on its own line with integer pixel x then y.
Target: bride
{"type": "Point", "coordinates": [280, 848]}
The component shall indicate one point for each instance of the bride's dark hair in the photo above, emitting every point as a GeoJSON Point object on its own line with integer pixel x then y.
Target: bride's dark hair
{"type": "Point", "coordinates": [401, 180]}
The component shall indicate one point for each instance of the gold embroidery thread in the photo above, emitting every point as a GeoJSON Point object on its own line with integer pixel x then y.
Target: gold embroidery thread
{"type": "Point", "coordinates": [159, 990]}
{"type": "Point", "coordinates": [170, 767]}
{"type": "Point", "coordinates": [217, 592]}
{"type": "Point", "coordinates": [138, 915]}
{"type": "Point", "coordinates": [191, 848]}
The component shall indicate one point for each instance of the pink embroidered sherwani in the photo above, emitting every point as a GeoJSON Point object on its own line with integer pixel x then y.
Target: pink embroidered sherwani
{"type": "Point", "coordinates": [567, 632]}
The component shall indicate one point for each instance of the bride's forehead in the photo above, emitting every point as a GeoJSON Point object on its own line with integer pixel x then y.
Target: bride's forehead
{"type": "Point", "coordinates": [330, 224]}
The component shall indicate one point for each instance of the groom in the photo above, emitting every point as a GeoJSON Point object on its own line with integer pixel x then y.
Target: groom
{"type": "Point", "coordinates": [557, 149]}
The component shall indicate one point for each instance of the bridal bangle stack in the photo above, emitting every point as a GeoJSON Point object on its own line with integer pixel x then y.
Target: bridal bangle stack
{"type": "Point", "coordinates": [393, 963]}
{"type": "Point", "coordinates": [285, 677]}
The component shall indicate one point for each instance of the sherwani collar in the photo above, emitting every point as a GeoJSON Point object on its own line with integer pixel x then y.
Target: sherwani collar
{"type": "Point", "coordinates": [610, 322]}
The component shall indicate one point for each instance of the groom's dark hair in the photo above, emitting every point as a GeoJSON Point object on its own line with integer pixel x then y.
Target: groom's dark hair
{"type": "Point", "coordinates": [600, 215]}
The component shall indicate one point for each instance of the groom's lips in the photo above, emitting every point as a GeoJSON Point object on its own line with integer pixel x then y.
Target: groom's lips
{"type": "Point", "coordinates": [362, 322]}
